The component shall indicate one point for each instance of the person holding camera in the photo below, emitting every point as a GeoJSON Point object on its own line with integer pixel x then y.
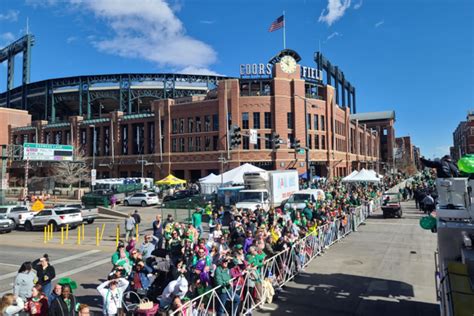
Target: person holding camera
{"type": "Point", "coordinates": [112, 293]}
{"type": "Point", "coordinates": [45, 273]}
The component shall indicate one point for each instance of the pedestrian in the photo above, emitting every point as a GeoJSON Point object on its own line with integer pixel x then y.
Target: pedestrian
{"type": "Point", "coordinates": [37, 304]}
{"type": "Point", "coordinates": [64, 305]}
{"type": "Point", "coordinates": [83, 310]}
{"type": "Point", "coordinates": [129, 226]}
{"type": "Point", "coordinates": [24, 281]}
{"type": "Point", "coordinates": [45, 273]}
{"type": "Point", "coordinates": [197, 220]}
{"type": "Point", "coordinates": [158, 231]}
{"type": "Point", "coordinates": [429, 204]}
{"type": "Point", "coordinates": [112, 292]}
{"type": "Point", "coordinates": [55, 293]}
{"type": "Point", "coordinates": [223, 279]}
{"type": "Point", "coordinates": [113, 201]}
{"type": "Point", "coordinates": [136, 217]}
{"type": "Point", "coordinates": [11, 305]}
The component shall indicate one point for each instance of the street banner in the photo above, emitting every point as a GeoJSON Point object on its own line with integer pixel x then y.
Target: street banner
{"type": "Point", "coordinates": [93, 176]}
{"type": "Point", "coordinates": [253, 136]}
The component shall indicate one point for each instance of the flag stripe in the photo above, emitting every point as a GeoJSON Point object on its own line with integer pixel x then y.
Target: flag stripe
{"type": "Point", "coordinates": [277, 24]}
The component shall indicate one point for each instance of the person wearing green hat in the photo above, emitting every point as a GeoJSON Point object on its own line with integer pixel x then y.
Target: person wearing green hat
{"type": "Point", "coordinates": [197, 220]}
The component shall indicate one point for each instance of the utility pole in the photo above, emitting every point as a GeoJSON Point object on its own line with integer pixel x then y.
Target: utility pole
{"type": "Point", "coordinates": [222, 160]}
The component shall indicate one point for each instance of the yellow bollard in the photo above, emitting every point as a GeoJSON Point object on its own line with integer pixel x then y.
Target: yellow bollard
{"type": "Point", "coordinates": [97, 235]}
{"type": "Point", "coordinates": [136, 232]}
{"type": "Point", "coordinates": [51, 232]}
{"type": "Point", "coordinates": [45, 235]}
{"type": "Point", "coordinates": [102, 232]}
{"type": "Point", "coordinates": [117, 236]}
{"type": "Point", "coordinates": [62, 235]}
{"type": "Point", "coordinates": [82, 231]}
{"type": "Point", "coordinates": [67, 231]}
{"type": "Point", "coordinates": [78, 235]}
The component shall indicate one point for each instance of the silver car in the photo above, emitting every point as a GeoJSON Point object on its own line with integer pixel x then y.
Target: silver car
{"type": "Point", "coordinates": [143, 199]}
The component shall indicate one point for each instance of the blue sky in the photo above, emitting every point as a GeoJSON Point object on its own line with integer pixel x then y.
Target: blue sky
{"type": "Point", "coordinates": [413, 56]}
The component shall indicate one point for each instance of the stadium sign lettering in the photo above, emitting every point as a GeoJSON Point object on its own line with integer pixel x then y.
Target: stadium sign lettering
{"type": "Point", "coordinates": [261, 69]}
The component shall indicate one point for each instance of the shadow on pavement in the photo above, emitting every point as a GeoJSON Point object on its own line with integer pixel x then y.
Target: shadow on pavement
{"type": "Point", "coordinates": [344, 294]}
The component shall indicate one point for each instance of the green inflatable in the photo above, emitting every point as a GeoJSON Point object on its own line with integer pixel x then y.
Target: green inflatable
{"type": "Point", "coordinates": [466, 164]}
{"type": "Point", "coordinates": [428, 222]}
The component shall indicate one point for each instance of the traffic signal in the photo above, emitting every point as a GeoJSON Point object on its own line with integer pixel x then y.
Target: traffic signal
{"type": "Point", "coordinates": [275, 141]}
{"type": "Point", "coordinates": [235, 136]}
{"type": "Point", "coordinates": [297, 144]}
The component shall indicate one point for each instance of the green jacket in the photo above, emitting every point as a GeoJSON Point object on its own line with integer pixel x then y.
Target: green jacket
{"type": "Point", "coordinates": [223, 278]}
{"type": "Point", "coordinates": [197, 219]}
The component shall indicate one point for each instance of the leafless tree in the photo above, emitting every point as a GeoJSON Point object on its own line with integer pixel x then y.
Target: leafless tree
{"type": "Point", "coordinates": [72, 172]}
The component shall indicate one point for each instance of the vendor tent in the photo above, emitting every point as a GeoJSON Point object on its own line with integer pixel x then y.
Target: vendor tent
{"type": "Point", "coordinates": [170, 180]}
{"type": "Point", "coordinates": [232, 177]}
{"type": "Point", "coordinates": [364, 176]}
{"type": "Point", "coordinates": [347, 178]}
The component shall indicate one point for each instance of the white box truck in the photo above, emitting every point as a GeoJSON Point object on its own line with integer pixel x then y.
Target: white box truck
{"type": "Point", "coordinates": [267, 189]}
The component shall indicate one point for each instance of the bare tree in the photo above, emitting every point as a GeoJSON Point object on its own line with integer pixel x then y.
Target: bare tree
{"type": "Point", "coordinates": [72, 172]}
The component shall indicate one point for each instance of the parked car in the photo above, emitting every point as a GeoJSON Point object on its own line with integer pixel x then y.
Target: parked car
{"type": "Point", "coordinates": [178, 195]}
{"type": "Point", "coordinates": [58, 217]}
{"type": "Point", "coordinates": [143, 199]}
{"type": "Point", "coordinates": [6, 224]}
{"type": "Point", "coordinates": [88, 214]}
{"type": "Point", "coordinates": [18, 214]}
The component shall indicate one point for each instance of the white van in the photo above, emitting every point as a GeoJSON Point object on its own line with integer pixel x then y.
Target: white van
{"type": "Point", "coordinates": [298, 199]}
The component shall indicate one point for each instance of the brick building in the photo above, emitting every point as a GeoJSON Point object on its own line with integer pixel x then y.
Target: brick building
{"type": "Point", "coordinates": [463, 138]}
{"type": "Point", "coordinates": [406, 155]}
{"type": "Point", "coordinates": [383, 123]}
{"type": "Point", "coordinates": [187, 136]}
{"type": "Point", "coordinates": [11, 118]}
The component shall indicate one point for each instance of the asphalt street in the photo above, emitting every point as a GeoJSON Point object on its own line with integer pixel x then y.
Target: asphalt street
{"type": "Point", "coordinates": [386, 268]}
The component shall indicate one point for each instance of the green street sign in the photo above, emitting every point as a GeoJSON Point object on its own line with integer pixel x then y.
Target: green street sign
{"type": "Point", "coordinates": [301, 151]}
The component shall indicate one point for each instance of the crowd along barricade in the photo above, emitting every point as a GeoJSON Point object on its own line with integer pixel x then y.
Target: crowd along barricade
{"type": "Point", "coordinates": [252, 289]}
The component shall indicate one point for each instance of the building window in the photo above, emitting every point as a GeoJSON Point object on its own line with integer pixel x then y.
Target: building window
{"type": "Point", "coordinates": [316, 122]}
{"type": "Point", "coordinates": [215, 122]}
{"type": "Point", "coordinates": [174, 126]}
{"type": "Point", "coordinates": [256, 120]}
{"type": "Point", "coordinates": [207, 123]}
{"type": "Point", "coordinates": [215, 139]}
{"type": "Point", "coordinates": [291, 139]}
{"type": "Point", "coordinates": [190, 125]}
{"type": "Point", "coordinates": [198, 143]}
{"type": "Point", "coordinates": [207, 143]}
{"type": "Point", "coordinates": [174, 145]}
{"type": "Point", "coordinates": [245, 120]}
{"type": "Point", "coordinates": [151, 138]}
{"type": "Point", "coordinates": [181, 144]}
{"type": "Point", "coordinates": [138, 137]}
{"type": "Point", "coordinates": [323, 142]}
{"type": "Point", "coordinates": [310, 142]}
{"type": "Point", "coordinates": [190, 144]}
{"type": "Point", "coordinates": [125, 139]}
{"type": "Point", "coordinates": [83, 141]}
{"type": "Point", "coordinates": [245, 143]}
{"type": "Point", "coordinates": [257, 145]}
{"type": "Point", "coordinates": [323, 124]}
{"type": "Point", "coordinates": [268, 143]}
{"type": "Point", "coordinates": [198, 124]}
{"type": "Point", "coordinates": [181, 126]}
{"type": "Point", "coordinates": [268, 120]}
{"type": "Point", "coordinates": [289, 120]}
{"type": "Point", "coordinates": [316, 141]}
{"type": "Point", "coordinates": [106, 148]}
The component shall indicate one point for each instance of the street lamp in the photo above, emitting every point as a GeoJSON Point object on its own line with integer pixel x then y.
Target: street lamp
{"type": "Point", "coordinates": [94, 145]}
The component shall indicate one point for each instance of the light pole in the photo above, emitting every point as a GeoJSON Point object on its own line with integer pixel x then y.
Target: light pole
{"type": "Point", "coordinates": [94, 145]}
{"type": "Point", "coordinates": [222, 160]}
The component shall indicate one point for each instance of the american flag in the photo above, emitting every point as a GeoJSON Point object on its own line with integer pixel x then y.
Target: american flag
{"type": "Point", "coordinates": [277, 24]}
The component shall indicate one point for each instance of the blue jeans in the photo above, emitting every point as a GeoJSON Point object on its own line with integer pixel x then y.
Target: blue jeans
{"type": "Point", "coordinates": [47, 289]}
{"type": "Point", "coordinates": [199, 229]}
{"type": "Point", "coordinates": [225, 297]}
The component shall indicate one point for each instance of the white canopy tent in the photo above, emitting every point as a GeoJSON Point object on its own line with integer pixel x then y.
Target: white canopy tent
{"type": "Point", "coordinates": [347, 178]}
{"type": "Point", "coordinates": [235, 176]}
{"type": "Point", "coordinates": [364, 176]}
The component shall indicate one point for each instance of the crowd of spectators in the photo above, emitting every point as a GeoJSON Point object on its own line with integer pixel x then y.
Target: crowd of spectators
{"type": "Point", "coordinates": [180, 261]}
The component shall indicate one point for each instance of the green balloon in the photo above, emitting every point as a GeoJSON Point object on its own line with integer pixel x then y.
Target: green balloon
{"type": "Point", "coordinates": [428, 222]}
{"type": "Point", "coordinates": [466, 164]}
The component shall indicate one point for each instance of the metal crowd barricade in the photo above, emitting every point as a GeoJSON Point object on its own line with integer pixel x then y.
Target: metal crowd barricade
{"type": "Point", "coordinates": [278, 269]}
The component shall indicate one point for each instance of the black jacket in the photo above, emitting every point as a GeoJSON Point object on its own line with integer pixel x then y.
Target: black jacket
{"type": "Point", "coordinates": [59, 307]}
{"type": "Point", "coordinates": [444, 168]}
{"type": "Point", "coordinates": [41, 273]}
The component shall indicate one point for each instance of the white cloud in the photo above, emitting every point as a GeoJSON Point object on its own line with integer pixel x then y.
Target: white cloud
{"type": "Point", "coordinates": [7, 37]}
{"type": "Point", "coordinates": [332, 35]}
{"type": "Point", "coordinates": [198, 71]}
{"type": "Point", "coordinates": [207, 21]}
{"type": "Point", "coordinates": [10, 15]}
{"type": "Point", "coordinates": [334, 11]}
{"type": "Point", "coordinates": [71, 39]}
{"type": "Point", "coordinates": [148, 30]}
{"type": "Point", "coordinates": [441, 150]}
{"type": "Point", "coordinates": [379, 23]}
{"type": "Point", "coordinates": [358, 5]}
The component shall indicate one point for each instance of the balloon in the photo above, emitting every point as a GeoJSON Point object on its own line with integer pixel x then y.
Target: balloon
{"type": "Point", "coordinates": [466, 164]}
{"type": "Point", "coordinates": [428, 222]}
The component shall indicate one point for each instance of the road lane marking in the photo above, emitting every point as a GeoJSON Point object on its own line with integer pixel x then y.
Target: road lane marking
{"type": "Point", "coordinates": [73, 271]}
{"type": "Point", "coordinates": [9, 265]}
{"type": "Point", "coordinates": [62, 260]}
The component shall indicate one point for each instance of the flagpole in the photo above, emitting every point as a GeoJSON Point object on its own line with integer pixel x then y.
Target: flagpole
{"type": "Point", "coordinates": [284, 31]}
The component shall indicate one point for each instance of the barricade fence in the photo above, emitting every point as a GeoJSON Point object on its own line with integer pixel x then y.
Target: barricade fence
{"type": "Point", "coordinates": [252, 288]}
